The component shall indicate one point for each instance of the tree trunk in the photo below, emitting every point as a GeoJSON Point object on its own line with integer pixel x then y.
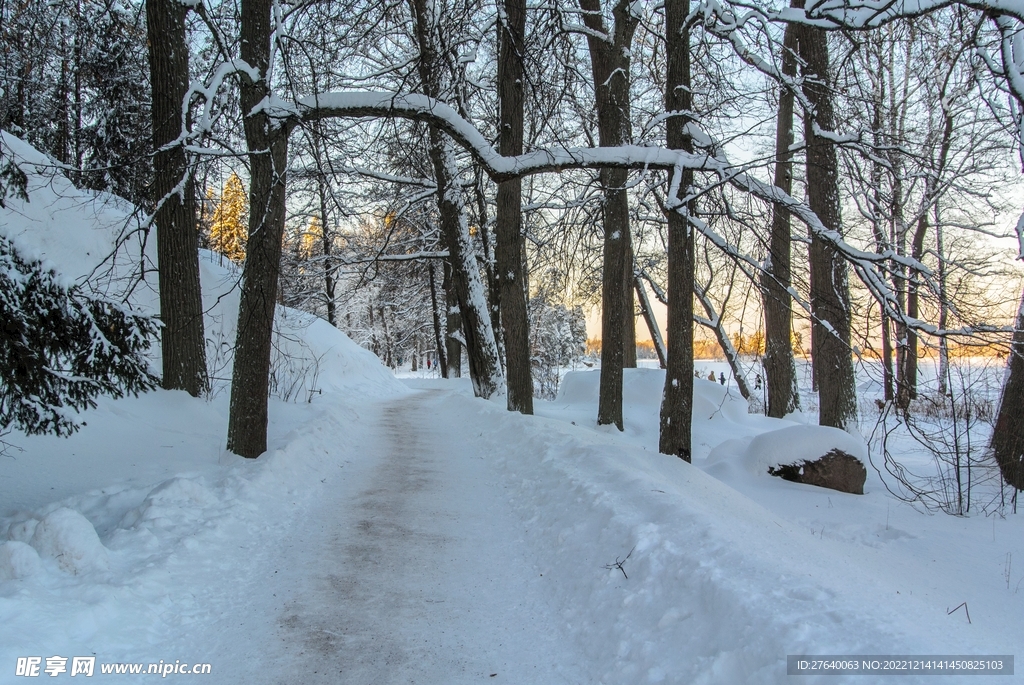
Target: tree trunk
{"type": "Point", "coordinates": [917, 252]}
{"type": "Point", "coordinates": [493, 294]}
{"type": "Point", "coordinates": [887, 374]}
{"type": "Point", "coordinates": [481, 348]}
{"type": "Point", "coordinates": [1008, 432]}
{"type": "Point", "coordinates": [453, 325]}
{"type": "Point", "coordinates": [830, 294]}
{"type": "Point", "coordinates": [901, 281]}
{"type": "Point", "coordinates": [881, 241]}
{"type": "Point", "coordinates": [677, 402]}
{"type": "Point", "coordinates": [940, 250]}
{"type": "Point", "coordinates": [652, 323]}
{"type": "Point", "coordinates": [609, 408]}
{"type": "Point", "coordinates": [442, 361]}
{"type": "Point", "coordinates": [183, 344]}
{"type": "Point", "coordinates": [610, 63]}
{"type": "Point", "coordinates": [268, 162]}
{"type": "Point", "coordinates": [905, 362]}
{"type": "Point", "coordinates": [327, 244]}
{"type": "Point", "coordinates": [508, 250]}
{"type": "Point", "coordinates": [779, 366]}
{"type": "Point", "coordinates": [389, 345]}
{"type": "Point", "coordinates": [917, 249]}
{"type": "Point", "coordinates": [629, 309]}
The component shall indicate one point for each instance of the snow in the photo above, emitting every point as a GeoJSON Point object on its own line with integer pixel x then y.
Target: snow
{"type": "Point", "coordinates": [790, 445]}
{"type": "Point", "coordinates": [403, 530]}
{"type": "Point", "coordinates": [18, 560]}
{"type": "Point", "coordinates": [67, 537]}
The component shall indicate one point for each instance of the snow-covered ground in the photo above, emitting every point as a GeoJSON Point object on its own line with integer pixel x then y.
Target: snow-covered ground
{"type": "Point", "coordinates": [407, 532]}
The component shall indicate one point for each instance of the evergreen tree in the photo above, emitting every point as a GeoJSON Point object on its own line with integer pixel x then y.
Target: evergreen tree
{"type": "Point", "coordinates": [116, 125]}
{"type": "Point", "coordinates": [229, 232]}
{"type": "Point", "coordinates": [60, 348]}
{"type": "Point", "coordinates": [312, 238]}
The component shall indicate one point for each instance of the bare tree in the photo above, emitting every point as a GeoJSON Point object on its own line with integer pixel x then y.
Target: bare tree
{"type": "Point", "coordinates": [481, 348]}
{"type": "Point", "coordinates": [675, 436]}
{"type": "Point", "coordinates": [268, 160]}
{"type": "Point", "coordinates": [511, 272]}
{"type": "Point", "coordinates": [779, 366]}
{"type": "Point", "coordinates": [830, 299]}
{"type": "Point", "coordinates": [183, 345]}
{"type": "Point", "coordinates": [610, 65]}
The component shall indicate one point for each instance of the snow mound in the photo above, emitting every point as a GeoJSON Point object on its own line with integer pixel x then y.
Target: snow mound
{"type": "Point", "coordinates": [336, 363]}
{"type": "Point", "coordinates": [75, 232]}
{"type": "Point", "coordinates": [711, 399]}
{"type": "Point", "coordinates": [642, 389]}
{"type": "Point", "coordinates": [799, 443]}
{"type": "Point", "coordinates": [167, 502]}
{"type": "Point", "coordinates": [784, 446]}
{"type": "Point", "coordinates": [68, 538]}
{"type": "Point", "coordinates": [71, 231]}
{"type": "Point", "coordinates": [18, 560]}
{"type": "Point", "coordinates": [22, 531]}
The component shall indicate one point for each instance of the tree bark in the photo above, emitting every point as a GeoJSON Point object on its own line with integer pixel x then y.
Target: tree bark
{"type": "Point", "coordinates": [830, 293]}
{"type": "Point", "coordinates": [1008, 432]}
{"type": "Point", "coordinates": [652, 323]}
{"type": "Point", "coordinates": [917, 250]}
{"type": "Point", "coordinates": [675, 432]}
{"type": "Point", "coordinates": [327, 245]}
{"type": "Point", "coordinates": [442, 360]}
{"type": "Point", "coordinates": [268, 161]}
{"type": "Point", "coordinates": [508, 250]}
{"type": "Point", "coordinates": [453, 325]}
{"type": "Point", "coordinates": [913, 301]}
{"type": "Point", "coordinates": [629, 308]}
{"type": "Point", "coordinates": [493, 295]}
{"type": "Point", "coordinates": [877, 228]}
{"type": "Point", "coordinates": [610, 65]}
{"type": "Point", "coordinates": [182, 341]}
{"type": "Point", "coordinates": [940, 250]}
{"type": "Point", "coordinates": [779, 366]}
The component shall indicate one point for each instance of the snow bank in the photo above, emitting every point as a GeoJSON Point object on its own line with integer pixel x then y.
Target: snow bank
{"type": "Point", "coordinates": [789, 445]}
{"type": "Point", "coordinates": [71, 231]}
{"type": "Point", "coordinates": [75, 232]}
{"type": "Point", "coordinates": [18, 560]}
{"type": "Point", "coordinates": [719, 412]}
{"type": "Point", "coordinates": [719, 588]}
{"type": "Point", "coordinates": [68, 538]}
{"type": "Point", "coordinates": [97, 531]}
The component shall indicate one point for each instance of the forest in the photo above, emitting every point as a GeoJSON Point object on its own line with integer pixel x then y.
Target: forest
{"type": "Point", "coordinates": [560, 341]}
{"type": "Point", "coordinates": [455, 179]}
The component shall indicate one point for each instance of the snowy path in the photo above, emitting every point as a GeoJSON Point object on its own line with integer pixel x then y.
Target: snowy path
{"type": "Point", "coordinates": [435, 538]}
{"type": "Point", "coordinates": [399, 579]}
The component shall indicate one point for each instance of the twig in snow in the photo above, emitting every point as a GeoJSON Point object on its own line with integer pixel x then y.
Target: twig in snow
{"type": "Point", "coordinates": [619, 564]}
{"type": "Point", "coordinates": [964, 605]}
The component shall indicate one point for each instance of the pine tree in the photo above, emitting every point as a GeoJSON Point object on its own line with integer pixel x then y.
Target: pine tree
{"type": "Point", "coordinates": [116, 117]}
{"type": "Point", "coordinates": [229, 231]}
{"type": "Point", "coordinates": [60, 348]}
{"type": "Point", "coordinates": [312, 238]}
